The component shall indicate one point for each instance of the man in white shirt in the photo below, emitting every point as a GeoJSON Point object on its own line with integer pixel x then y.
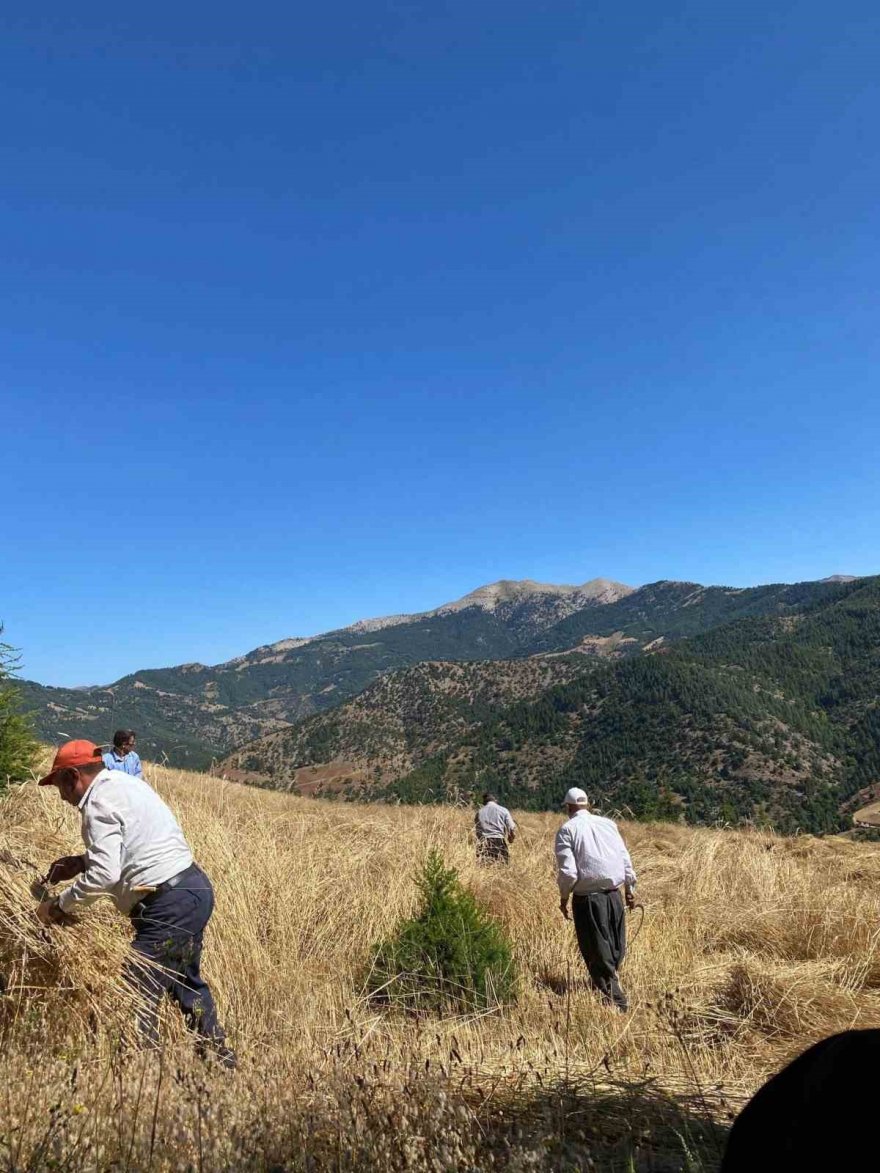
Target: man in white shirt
{"type": "Point", "coordinates": [136, 855]}
{"type": "Point", "coordinates": [592, 864]}
{"type": "Point", "coordinates": [494, 828]}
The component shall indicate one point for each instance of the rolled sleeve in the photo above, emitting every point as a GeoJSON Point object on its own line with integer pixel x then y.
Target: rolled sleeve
{"type": "Point", "coordinates": [103, 838]}
{"type": "Point", "coordinates": [566, 868]}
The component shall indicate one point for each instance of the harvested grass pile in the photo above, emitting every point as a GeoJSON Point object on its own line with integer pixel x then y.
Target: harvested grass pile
{"type": "Point", "coordinates": [752, 948]}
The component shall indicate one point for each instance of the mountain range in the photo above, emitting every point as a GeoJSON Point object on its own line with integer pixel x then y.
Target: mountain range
{"type": "Point", "coordinates": [193, 714]}
{"type": "Point", "coordinates": [754, 706]}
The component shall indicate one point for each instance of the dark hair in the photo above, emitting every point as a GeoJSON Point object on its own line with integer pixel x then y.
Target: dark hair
{"type": "Point", "coordinates": [121, 736]}
{"type": "Point", "coordinates": [489, 797]}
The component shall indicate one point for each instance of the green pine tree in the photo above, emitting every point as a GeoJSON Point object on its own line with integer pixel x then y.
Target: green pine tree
{"type": "Point", "coordinates": [450, 956]}
{"type": "Point", "coordinates": [18, 749]}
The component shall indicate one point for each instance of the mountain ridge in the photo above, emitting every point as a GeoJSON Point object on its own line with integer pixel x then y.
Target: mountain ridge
{"type": "Point", "coordinates": [192, 714]}
{"type": "Point", "coordinates": [488, 597]}
{"type": "Point", "coordinates": [772, 717]}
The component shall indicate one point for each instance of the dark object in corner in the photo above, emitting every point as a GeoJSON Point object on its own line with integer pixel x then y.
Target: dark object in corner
{"type": "Point", "coordinates": [816, 1114]}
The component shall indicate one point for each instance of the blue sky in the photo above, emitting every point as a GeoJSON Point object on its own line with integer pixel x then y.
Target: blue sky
{"type": "Point", "coordinates": [314, 315]}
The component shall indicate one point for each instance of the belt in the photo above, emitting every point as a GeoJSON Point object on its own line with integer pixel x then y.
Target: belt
{"type": "Point", "coordinates": [597, 892]}
{"type": "Point", "coordinates": [165, 886]}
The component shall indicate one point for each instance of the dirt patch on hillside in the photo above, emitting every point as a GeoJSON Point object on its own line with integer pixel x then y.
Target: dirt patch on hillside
{"type": "Point", "coordinates": [867, 816]}
{"type": "Point", "coordinates": [329, 778]}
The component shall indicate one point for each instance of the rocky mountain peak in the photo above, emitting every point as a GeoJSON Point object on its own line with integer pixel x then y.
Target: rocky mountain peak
{"type": "Point", "coordinates": [508, 595]}
{"type": "Point", "coordinates": [514, 591]}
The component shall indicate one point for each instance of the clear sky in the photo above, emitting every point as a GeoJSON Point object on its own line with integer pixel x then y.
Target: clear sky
{"type": "Point", "coordinates": [316, 312]}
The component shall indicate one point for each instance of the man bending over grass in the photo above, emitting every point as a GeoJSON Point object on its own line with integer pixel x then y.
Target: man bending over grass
{"type": "Point", "coordinates": [136, 854]}
{"type": "Point", "coordinates": [592, 863]}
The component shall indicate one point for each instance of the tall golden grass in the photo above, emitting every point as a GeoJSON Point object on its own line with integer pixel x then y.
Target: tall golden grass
{"type": "Point", "coordinates": [752, 948]}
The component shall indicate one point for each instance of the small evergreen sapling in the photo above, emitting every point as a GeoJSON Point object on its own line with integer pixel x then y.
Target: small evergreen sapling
{"type": "Point", "coordinates": [450, 956]}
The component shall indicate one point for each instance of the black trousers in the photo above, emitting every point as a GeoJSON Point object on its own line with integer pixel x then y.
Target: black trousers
{"type": "Point", "coordinates": [167, 952]}
{"type": "Point", "coordinates": [600, 924]}
{"type": "Point", "coordinates": [492, 851]}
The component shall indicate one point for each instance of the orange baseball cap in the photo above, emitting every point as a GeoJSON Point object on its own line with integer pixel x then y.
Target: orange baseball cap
{"type": "Point", "coordinates": [72, 753]}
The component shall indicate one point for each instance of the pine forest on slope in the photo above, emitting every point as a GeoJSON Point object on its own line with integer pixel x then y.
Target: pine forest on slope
{"type": "Point", "coordinates": [772, 717]}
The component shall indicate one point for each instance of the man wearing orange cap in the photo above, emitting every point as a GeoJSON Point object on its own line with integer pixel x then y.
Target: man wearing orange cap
{"type": "Point", "coordinates": [137, 855]}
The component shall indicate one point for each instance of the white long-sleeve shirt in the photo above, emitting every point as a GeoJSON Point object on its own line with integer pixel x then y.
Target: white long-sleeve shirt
{"type": "Point", "coordinates": [494, 821]}
{"type": "Point", "coordinates": [132, 839]}
{"type": "Point", "coordinates": [591, 856]}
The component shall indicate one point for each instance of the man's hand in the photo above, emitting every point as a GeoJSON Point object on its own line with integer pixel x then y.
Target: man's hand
{"type": "Point", "coordinates": [563, 907]}
{"type": "Point", "coordinates": [630, 898]}
{"type": "Point", "coordinates": [49, 912]}
{"type": "Point", "coordinates": [65, 868]}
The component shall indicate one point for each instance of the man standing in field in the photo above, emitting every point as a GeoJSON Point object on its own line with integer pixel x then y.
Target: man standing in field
{"type": "Point", "coordinates": [122, 756]}
{"type": "Point", "coordinates": [494, 828]}
{"type": "Point", "coordinates": [592, 864]}
{"type": "Point", "coordinates": [137, 855]}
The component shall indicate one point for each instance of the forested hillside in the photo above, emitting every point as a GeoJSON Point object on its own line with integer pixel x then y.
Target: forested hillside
{"type": "Point", "coordinates": [193, 713]}
{"type": "Point", "coordinates": [772, 718]}
{"type": "Point", "coordinates": [675, 610]}
{"type": "Point", "coordinates": [398, 722]}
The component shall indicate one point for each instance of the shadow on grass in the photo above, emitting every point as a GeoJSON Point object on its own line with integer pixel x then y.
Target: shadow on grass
{"type": "Point", "coordinates": [561, 985]}
{"type": "Point", "coordinates": [637, 1128]}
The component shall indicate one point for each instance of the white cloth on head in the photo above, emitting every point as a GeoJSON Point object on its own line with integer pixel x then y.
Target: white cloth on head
{"type": "Point", "coordinates": [493, 821]}
{"type": "Point", "coordinates": [591, 856]}
{"type": "Point", "coordinates": [132, 839]}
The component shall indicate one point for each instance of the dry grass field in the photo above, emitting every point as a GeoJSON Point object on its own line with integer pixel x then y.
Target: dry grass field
{"type": "Point", "coordinates": [752, 947]}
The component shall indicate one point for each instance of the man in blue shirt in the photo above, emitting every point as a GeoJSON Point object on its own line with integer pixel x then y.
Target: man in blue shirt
{"type": "Point", "coordinates": [122, 756]}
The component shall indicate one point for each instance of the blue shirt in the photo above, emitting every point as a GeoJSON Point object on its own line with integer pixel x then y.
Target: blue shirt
{"type": "Point", "coordinates": [129, 764]}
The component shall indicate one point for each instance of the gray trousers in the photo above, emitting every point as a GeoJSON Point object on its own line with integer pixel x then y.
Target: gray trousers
{"type": "Point", "coordinates": [600, 924]}
{"type": "Point", "coordinates": [493, 850]}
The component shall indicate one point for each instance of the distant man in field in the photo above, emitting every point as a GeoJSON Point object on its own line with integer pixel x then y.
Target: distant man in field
{"type": "Point", "coordinates": [592, 864]}
{"type": "Point", "coordinates": [137, 855]}
{"type": "Point", "coordinates": [494, 828]}
{"type": "Point", "coordinates": [122, 756]}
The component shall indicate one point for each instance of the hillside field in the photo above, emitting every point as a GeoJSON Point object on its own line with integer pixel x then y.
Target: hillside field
{"type": "Point", "coordinates": [752, 947]}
